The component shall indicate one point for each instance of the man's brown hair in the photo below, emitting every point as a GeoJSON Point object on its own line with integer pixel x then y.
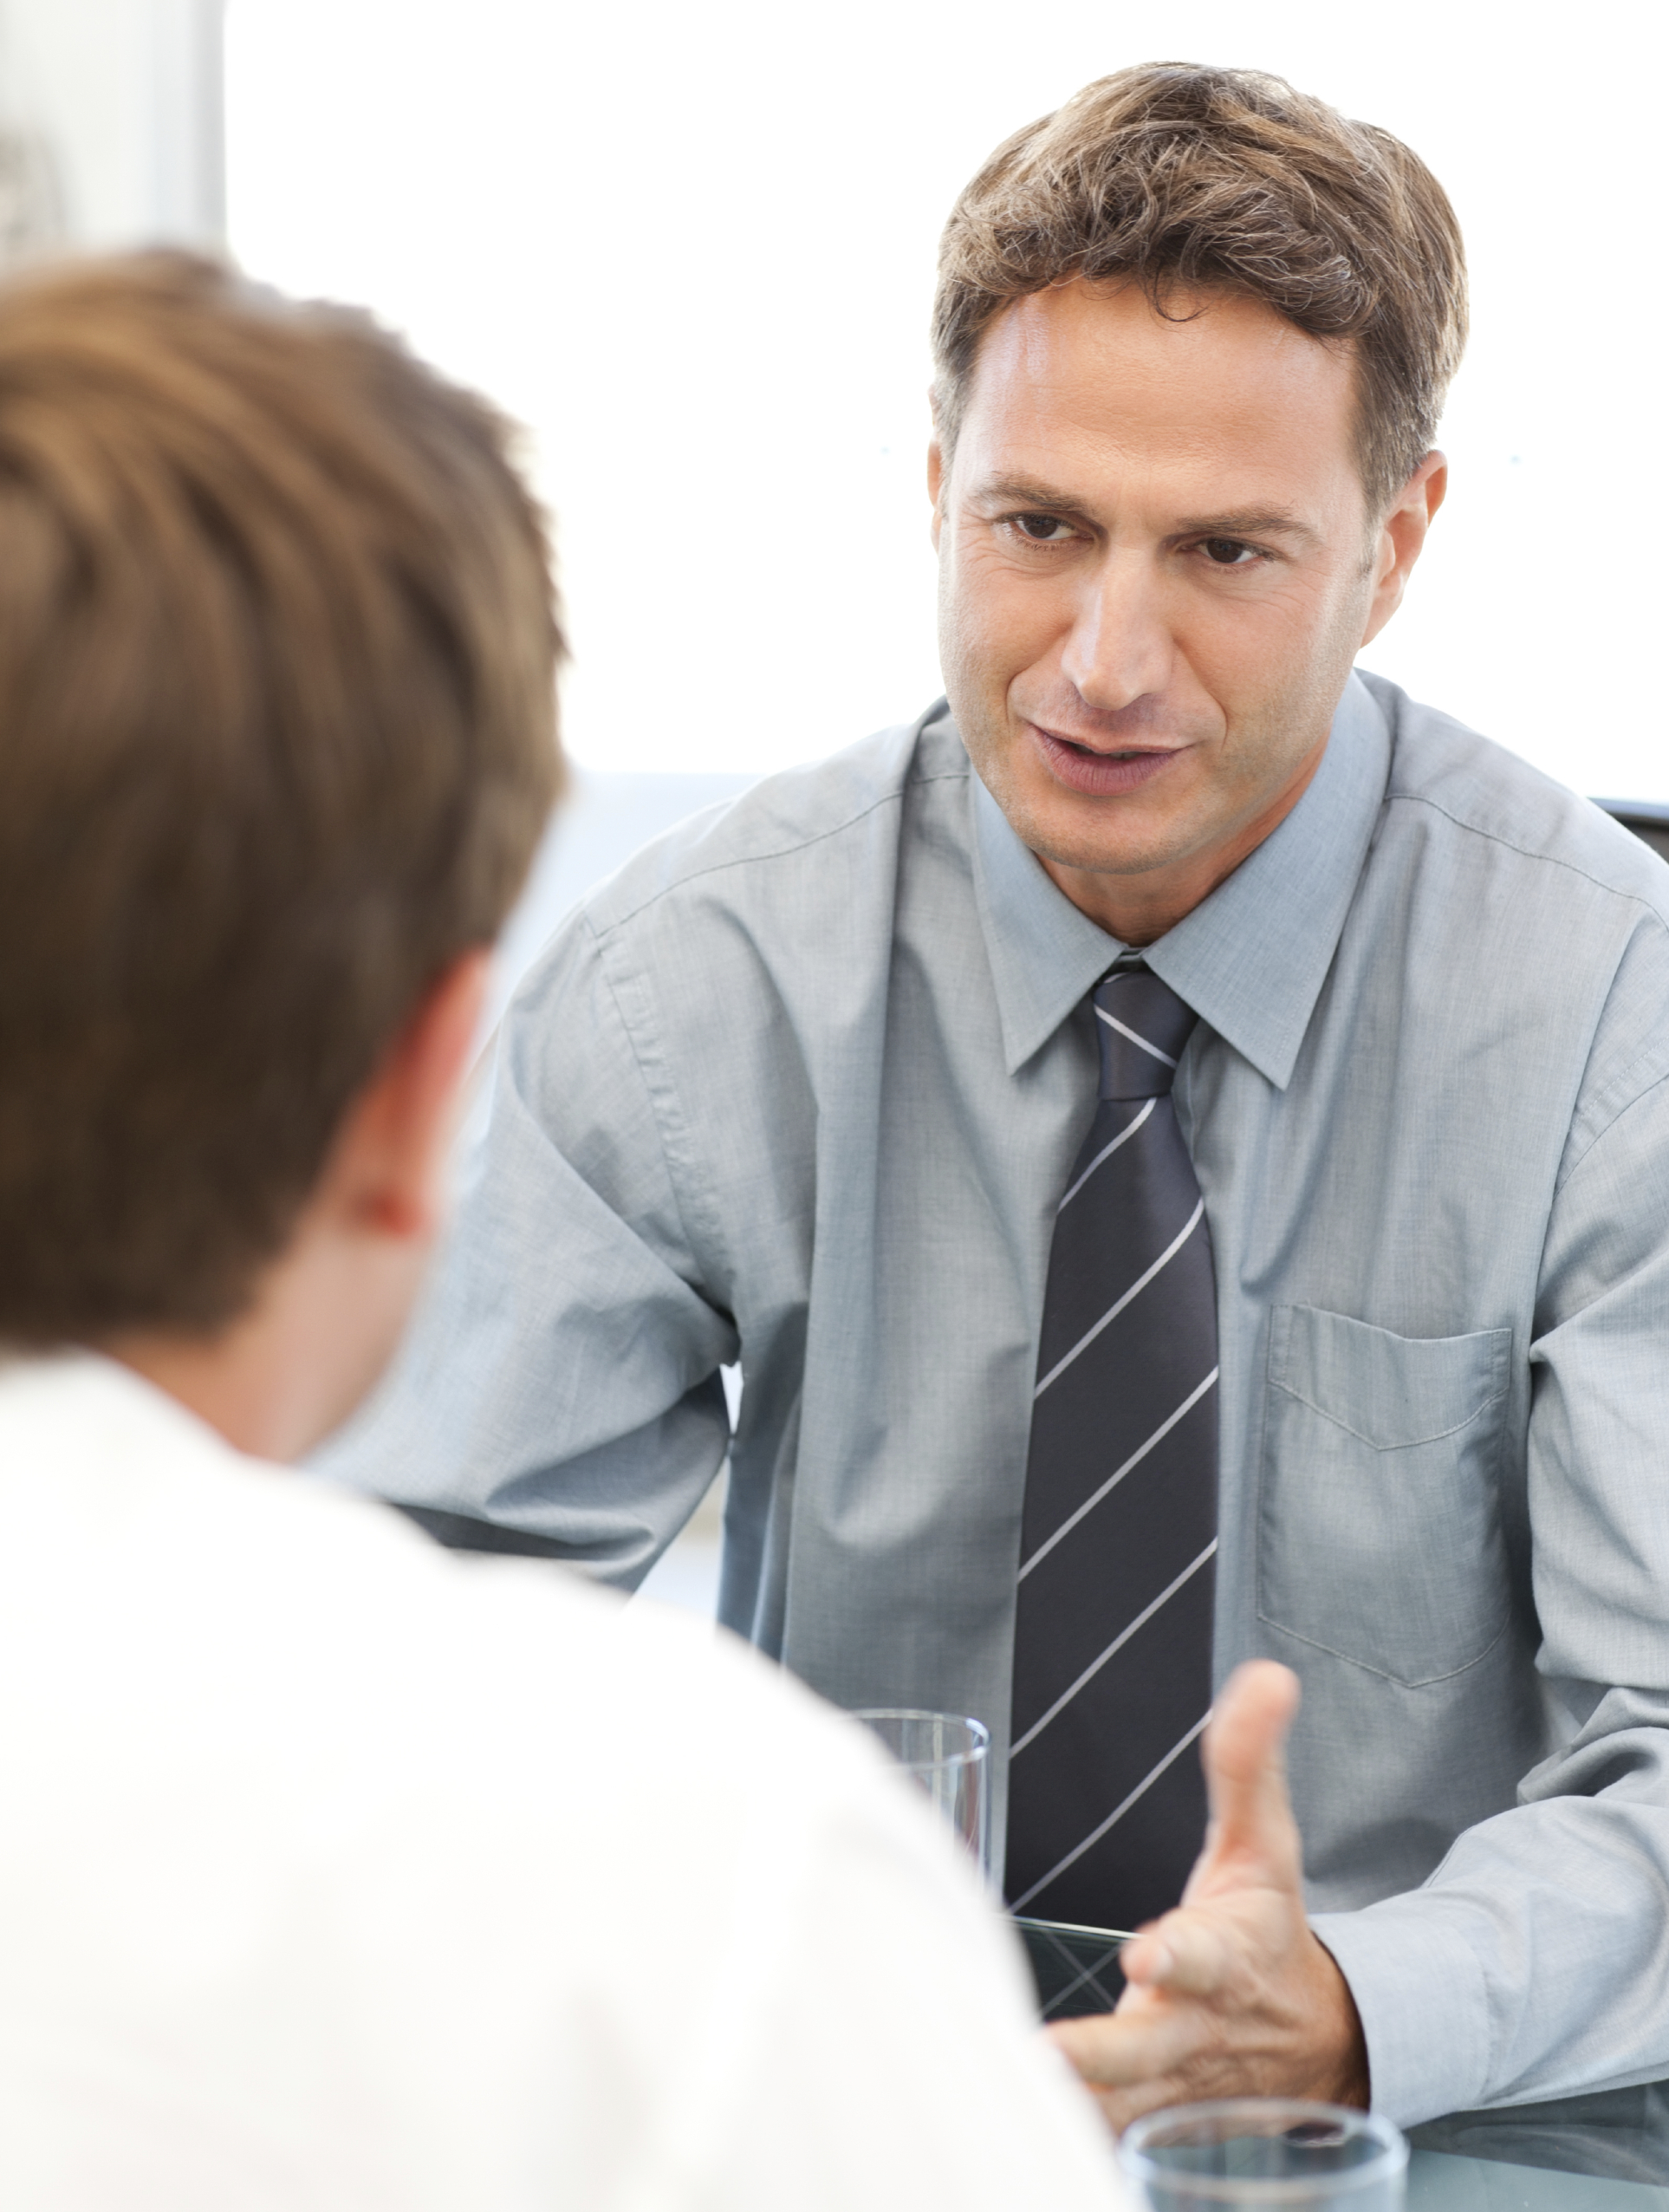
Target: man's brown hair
{"type": "Point", "coordinates": [1182, 179]}
{"type": "Point", "coordinates": [278, 737]}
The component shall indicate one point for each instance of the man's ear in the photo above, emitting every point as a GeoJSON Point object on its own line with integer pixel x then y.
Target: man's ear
{"type": "Point", "coordinates": [386, 1176]}
{"type": "Point", "coordinates": [1401, 539]}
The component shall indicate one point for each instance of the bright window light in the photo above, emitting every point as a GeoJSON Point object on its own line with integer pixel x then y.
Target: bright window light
{"type": "Point", "coordinates": [690, 248]}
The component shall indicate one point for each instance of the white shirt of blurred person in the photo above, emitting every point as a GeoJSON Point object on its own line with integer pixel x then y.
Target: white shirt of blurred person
{"type": "Point", "coordinates": [334, 1871]}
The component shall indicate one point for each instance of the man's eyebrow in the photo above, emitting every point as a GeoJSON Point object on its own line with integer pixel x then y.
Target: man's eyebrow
{"type": "Point", "coordinates": [1028, 491]}
{"type": "Point", "coordinates": [1243, 522]}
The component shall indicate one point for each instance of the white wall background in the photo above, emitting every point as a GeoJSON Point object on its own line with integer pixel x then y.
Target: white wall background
{"type": "Point", "coordinates": [692, 246]}
{"type": "Point", "coordinates": [127, 95]}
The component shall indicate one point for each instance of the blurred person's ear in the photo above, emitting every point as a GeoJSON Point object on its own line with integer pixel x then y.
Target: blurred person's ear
{"type": "Point", "coordinates": [328, 1313]}
{"type": "Point", "coordinates": [386, 1171]}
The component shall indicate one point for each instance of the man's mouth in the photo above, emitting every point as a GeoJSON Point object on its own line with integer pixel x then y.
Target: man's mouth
{"type": "Point", "coordinates": [1101, 772]}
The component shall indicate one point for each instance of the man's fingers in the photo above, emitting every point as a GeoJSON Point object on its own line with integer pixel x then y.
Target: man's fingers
{"type": "Point", "coordinates": [1245, 1758]}
{"type": "Point", "coordinates": [1128, 2048]}
{"type": "Point", "coordinates": [1186, 1953]}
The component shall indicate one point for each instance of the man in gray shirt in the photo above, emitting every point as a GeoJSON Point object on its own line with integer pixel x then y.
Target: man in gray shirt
{"type": "Point", "coordinates": [806, 1086]}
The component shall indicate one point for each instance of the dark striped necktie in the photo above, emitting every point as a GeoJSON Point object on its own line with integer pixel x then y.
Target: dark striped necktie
{"type": "Point", "coordinates": [1113, 1628]}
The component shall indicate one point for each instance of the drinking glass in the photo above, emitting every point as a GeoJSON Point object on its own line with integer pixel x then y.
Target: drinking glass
{"type": "Point", "coordinates": [948, 1756]}
{"type": "Point", "coordinates": [1264, 2152]}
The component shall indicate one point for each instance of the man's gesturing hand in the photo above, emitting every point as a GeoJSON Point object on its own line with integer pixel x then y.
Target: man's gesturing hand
{"type": "Point", "coordinates": [1230, 1996]}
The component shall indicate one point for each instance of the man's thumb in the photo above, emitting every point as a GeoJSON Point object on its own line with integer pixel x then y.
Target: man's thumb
{"type": "Point", "coordinates": [1245, 1757]}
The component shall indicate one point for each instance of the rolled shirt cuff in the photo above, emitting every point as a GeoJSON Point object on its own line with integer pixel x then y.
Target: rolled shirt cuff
{"type": "Point", "coordinates": [1420, 1990]}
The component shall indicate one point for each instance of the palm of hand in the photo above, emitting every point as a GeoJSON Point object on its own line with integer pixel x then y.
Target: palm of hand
{"type": "Point", "coordinates": [1230, 1996]}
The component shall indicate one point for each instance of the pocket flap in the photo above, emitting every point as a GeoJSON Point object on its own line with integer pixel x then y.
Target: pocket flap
{"type": "Point", "coordinates": [1390, 1391]}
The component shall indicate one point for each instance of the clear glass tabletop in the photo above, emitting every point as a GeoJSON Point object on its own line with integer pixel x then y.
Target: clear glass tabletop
{"type": "Point", "coordinates": [1600, 2153]}
{"type": "Point", "coordinates": [1607, 2152]}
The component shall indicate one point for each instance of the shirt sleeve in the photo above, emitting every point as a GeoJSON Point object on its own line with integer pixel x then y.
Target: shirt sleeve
{"type": "Point", "coordinates": [561, 1377]}
{"type": "Point", "coordinates": [1535, 1961]}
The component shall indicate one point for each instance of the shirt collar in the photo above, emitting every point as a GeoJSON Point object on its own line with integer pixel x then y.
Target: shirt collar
{"type": "Point", "coordinates": [1251, 960]}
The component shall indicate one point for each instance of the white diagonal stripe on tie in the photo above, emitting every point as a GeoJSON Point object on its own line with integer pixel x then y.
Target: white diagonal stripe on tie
{"type": "Point", "coordinates": [1117, 1645]}
{"type": "Point", "coordinates": [1113, 1022]}
{"type": "Point", "coordinates": [1120, 1303]}
{"type": "Point", "coordinates": [1113, 1818]}
{"type": "Point", "coordinates": [1119, 1473]}
{"type": "Point", "coordinates": [1106, 1153]}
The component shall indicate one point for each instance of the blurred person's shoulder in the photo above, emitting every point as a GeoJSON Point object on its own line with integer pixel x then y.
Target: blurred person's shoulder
{"type": "Point", "coordinates": [320, 1612]}
{"type": "Point", "coordinates": [338, 1850]}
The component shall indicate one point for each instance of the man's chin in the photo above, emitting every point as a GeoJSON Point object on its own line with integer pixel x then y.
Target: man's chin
{"type": "Point", "coordinates": [1123, 859]}
{"type": "Point", "coordinates": [1094, 834]}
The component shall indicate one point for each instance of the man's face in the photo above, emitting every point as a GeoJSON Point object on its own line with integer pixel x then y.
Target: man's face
{"type": "Point", "coordinates": [1156, 565]}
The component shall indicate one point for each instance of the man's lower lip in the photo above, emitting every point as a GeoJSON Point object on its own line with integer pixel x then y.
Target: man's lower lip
{"type": "Point", "coordinates": [1099, 774]}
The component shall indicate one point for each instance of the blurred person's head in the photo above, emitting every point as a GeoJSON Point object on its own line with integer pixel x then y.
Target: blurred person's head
{"type": "Point", "coordinates": [1192, 335]}
{"type": "Point", "coordinates": [277, 652]}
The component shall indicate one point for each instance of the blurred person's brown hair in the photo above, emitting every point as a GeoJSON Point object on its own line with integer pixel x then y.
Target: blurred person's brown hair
{"type": "Point", "coordinates": [277, 738]}
{"type": "Point", "coordinates": [1184, 180]}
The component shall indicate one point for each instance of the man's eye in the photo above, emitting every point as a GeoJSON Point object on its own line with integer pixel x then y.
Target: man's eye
{"type": "Point", "coordinates": [1228, 552]}
{"type": "Point", "coordinates": [1040, 528]}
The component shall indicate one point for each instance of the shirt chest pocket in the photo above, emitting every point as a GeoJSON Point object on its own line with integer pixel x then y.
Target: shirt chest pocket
{"type": "Point", "coordinates": [1378, 1530]}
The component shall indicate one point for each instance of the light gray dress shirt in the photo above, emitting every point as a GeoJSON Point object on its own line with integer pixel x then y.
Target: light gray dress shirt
{"type": "Point", "coordinates": [800, 1086]}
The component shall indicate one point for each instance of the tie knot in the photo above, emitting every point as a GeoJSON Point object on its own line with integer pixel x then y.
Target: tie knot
{"type": "Point", "coordinates": [1142, 1026]}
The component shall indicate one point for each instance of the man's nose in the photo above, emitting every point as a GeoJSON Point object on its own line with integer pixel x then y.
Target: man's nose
{"type": "Point", "coordinates": [1120, 648]}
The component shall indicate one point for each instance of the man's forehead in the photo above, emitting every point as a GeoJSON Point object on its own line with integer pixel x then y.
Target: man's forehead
{"type": "Point", "coordinates": [1218, 392]}
{"type": "Point", "coordinates": [1191, 330]}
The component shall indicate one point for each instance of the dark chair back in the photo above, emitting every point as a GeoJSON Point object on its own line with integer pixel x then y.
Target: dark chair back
{"type": "Point", "coordinates": [1647, 819]}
